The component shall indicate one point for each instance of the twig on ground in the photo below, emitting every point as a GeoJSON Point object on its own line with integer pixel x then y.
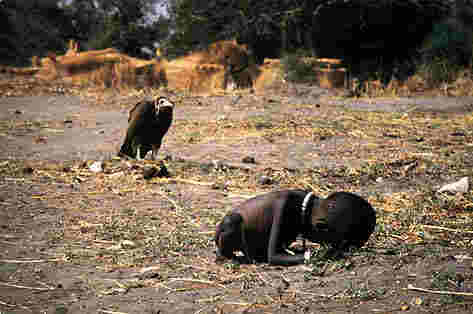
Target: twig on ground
{"type": "Point", "coordinates": [446, 229]}
{"type": "Point", "coordinates": [335, 295]}
{"type": "Point", "coordinates": [196, 267]}
{"type": "Point", "coordinates": [25, 287]}
{"type": "Point", "coordinates": [111, 312]}
{"type": "Point", "coordinates": [240, 195]}
{"type": "Point", "coordinates": [197, 281]}
{"type": "Point", "coordinates": [202, 309]}
{"type": "Point", "coordinates": [206, 232]}
{"type": "Point", "coordinates": [174, 180]}
{"type": "Point", "coordinates": [12, 261]}
{"type": "Point", "coordinates": [7, 236]}
{"type": "Point", "coordinates": [6, 304]}
{"type": "Point", "coordinates": [411, 287]}
{"type": "Point", "coordinates": [8, 243]}
{"type": "Point", "coordinates": [210, 300]}
{"type": "Point", "coordinates": [397, 237]}
{"type": "Point", "coordinates": [14, 305]}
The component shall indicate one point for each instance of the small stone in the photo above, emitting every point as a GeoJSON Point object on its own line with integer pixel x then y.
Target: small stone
{"type": "Point", "coordinates": [163, 172]}
{"type": "Point", "coordinates": [417, 301]}
{"type": "Point", "coordinates": [127, 244]}
{"type": "Point", "coordinates": [96, 167]}
{"type": "Point", "coordinates": [218, 186]}
{"type": "Point", "coordinates": [206, 168]}
{"type": "Point", "coordinates": [149, 272]}
{"type": "Point", "coordinates": [218, 165]}
{"type": "Point", "coordinates": [264, 180]}
{"type": "Point", "coordinates": [28, 170]}
{"type": "Point", "coordinates": [60, 309]}
{"type": "Point", "coordinates": [248, 160]}
{"type": "Point", "coordinates": [459, 186]}
{"type": "Point", "coordinates": [149, 172]}
{"type": "Point", "coordinates": [115, 247]}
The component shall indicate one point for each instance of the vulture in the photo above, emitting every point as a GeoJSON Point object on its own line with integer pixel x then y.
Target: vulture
{"type": "Point", "coordinates": [148, 122]}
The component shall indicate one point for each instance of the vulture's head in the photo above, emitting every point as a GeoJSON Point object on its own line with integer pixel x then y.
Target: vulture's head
{"type": "Point", "coordinates": [163, 106]}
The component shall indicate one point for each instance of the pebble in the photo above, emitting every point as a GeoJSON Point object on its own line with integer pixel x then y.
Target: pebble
{"type": "Point", "coordinates": [265, 180]}
{"type": "Point", "coordinates": [248, 160]}
{"type": "Point", "coordinates": [96, 166]}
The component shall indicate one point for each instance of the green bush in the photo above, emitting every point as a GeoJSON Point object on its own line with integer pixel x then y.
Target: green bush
{"type": "Point", "coordinates": [445, 53]}
{"type": "Point", "coordinates": [295, 69]}
{"type": "Point", "coordinates": [448, 40]}
{"type": "Point", "coordinates": [439, 70]}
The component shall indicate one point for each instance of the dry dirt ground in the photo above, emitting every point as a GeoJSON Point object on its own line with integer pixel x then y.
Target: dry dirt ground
{"type": "Point", "coordinates": [77, 241]}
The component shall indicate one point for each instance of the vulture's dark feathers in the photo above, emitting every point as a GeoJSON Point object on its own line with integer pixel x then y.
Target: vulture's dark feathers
{"type": "Point", "coordinates": [148, 122]}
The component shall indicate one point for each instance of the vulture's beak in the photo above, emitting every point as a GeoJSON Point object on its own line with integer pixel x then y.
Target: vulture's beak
{"type": "Point", "coordinates": [162, 103]}
{"type": "Point", "coordinates": [165, 103]}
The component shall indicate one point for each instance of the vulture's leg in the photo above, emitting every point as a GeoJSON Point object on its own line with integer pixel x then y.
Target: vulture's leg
{"type": "Point", "coordinates": [138, 153]}
{"type": "Point", "coordinates": [155, 150]}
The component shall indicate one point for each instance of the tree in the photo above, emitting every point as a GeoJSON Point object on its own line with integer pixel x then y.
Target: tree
{"type": "Point", "coordinates": [353, 30]}
{"type": "Point", "coordinates": [31, 28]}
{"type": "Point", "coordinates": [196, 24]}
{"type": "Point", "coordinates": [123, 24]}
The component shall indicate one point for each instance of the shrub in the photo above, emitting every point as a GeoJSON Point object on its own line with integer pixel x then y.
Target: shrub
{"type": "Point", "coordinates": [296, 69]}
{"type": "Point", "coordinates": [445, 53]}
